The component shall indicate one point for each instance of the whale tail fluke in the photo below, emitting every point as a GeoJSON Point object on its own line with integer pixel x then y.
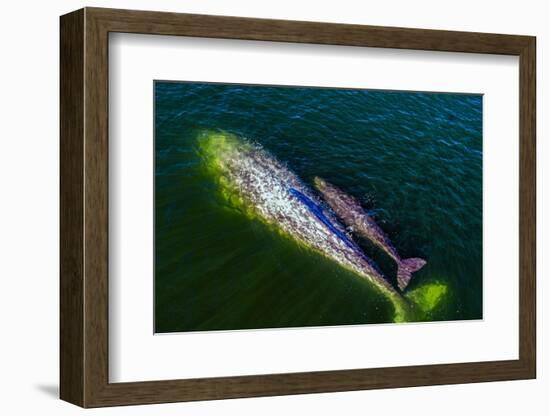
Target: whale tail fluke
{"type": "Point", "coordinates": [406, 268]}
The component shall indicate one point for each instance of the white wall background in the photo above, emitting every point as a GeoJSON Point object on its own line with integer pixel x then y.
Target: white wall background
{"type": "Point", "coordinates": [29, 209]}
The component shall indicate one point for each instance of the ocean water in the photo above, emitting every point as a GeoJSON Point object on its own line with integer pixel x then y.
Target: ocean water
{"type": "Point", "coordinates": [413, 159]}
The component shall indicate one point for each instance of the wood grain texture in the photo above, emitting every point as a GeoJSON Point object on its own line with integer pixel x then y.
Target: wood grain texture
{"type": "Point", "coordinates": [84, 207]}
{"type": "Point", "coordinates": [96, 219]}
{"type": "Point", "coordinates": [527, 208]}
{"type": "Point", "coordinates": [162, 23]}
{"type": "Point", "coordinates": [71, 208]}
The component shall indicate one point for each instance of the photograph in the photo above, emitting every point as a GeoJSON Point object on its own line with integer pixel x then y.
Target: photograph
{"type": "Point", "coordinates": [248, 208]}
{"type": "Point", "coordinates": [297, 206]}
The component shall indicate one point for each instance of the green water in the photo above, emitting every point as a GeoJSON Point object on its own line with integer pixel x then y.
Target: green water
{"type": "Point", "coordinates": [413, 159]}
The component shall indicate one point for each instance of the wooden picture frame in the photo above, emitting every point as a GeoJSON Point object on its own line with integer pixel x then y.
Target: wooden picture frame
{"type": "Point", "coordinates": [84, 207]}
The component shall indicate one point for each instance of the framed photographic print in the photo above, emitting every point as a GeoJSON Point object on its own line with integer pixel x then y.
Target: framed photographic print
{"type": "Point", "coordinates": [260, 207]}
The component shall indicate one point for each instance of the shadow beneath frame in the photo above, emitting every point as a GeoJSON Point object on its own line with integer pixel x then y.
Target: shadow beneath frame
{"type": "Point", "coordinates": [51, 390]}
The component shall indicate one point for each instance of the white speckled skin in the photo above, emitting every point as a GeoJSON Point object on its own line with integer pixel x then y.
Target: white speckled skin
{"type": "Point", "coordinates": [263, 183]}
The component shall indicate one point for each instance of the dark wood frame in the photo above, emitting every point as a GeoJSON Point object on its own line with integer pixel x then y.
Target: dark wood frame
{"type": "Point", "coordinates": [84, 208]}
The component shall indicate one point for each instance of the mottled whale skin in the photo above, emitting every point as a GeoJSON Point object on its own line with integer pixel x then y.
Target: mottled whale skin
{"type": "Point", "coordinates": [273, 193]}
{"type": "Point", "coordinates": [350, 211]}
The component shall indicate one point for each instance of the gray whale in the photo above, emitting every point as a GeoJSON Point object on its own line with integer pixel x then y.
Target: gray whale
{"type": "Point", "coordinates": [266, 189]}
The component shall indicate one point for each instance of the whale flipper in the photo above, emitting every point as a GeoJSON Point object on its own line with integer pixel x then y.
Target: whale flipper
{"type": "Point", "coordinates": [406, 268]}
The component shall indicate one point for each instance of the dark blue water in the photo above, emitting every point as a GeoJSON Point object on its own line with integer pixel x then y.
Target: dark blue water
{"type": "Point", "coordinates": [413, 159]}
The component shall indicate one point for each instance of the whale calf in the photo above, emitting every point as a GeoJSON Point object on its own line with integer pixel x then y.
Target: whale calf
{"type": "Point", "coordinates": [354, 216]}
{"type": "Point", "coordinates": [264, 187]}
